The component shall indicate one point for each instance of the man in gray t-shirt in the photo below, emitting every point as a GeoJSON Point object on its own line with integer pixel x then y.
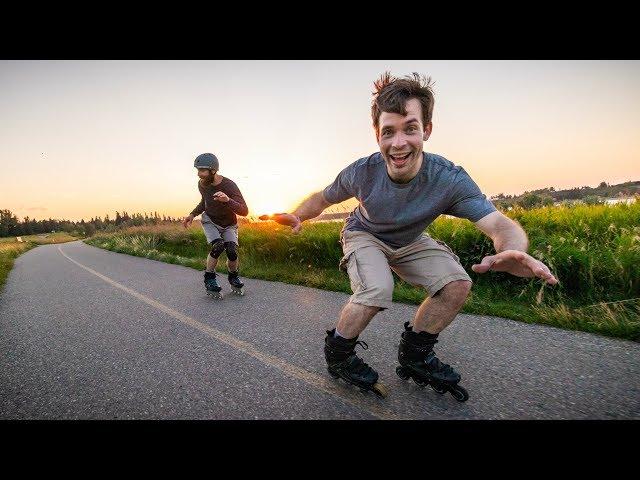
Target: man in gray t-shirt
{"type": "Point", "coordinates": [401, 189]}
{"type": "Point", "coordinates": [398, 213]}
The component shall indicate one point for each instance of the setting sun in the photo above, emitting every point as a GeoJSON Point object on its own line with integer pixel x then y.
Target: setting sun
{"type": "Point", "coordinates": [260, 206]}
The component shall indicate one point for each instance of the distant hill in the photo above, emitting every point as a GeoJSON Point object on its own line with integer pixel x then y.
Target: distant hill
{"type": "Point", "coordinates": [549, 195]}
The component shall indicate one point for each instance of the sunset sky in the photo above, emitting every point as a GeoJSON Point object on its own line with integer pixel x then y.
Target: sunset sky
{"type": "Point", "coordinates": [86, 138]}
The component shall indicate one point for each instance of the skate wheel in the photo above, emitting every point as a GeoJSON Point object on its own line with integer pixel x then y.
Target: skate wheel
{"type": "Point", "coordinates": [438, 389]}
{"type": "Point", "coordinates": [459, 393]}
{"type": "Point", "coordinates": [333, 374]}
{"type": "Point", "coordinates": [380, 390]}
{"type": "Point", "coordinates": [420, 382]}
{"type": "Point", "coordinates": [402, 373]}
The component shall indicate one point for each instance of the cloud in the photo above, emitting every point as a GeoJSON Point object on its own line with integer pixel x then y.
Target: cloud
{"type": "Point", "coordinates": [37, 209]}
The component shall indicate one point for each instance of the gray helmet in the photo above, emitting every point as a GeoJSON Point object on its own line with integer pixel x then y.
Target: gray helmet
{"type": "Point", "coordinates": [206, 160]}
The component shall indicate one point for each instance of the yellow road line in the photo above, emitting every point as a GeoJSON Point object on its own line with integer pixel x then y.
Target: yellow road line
{"type": "Point", "coordinates": [310, 378]}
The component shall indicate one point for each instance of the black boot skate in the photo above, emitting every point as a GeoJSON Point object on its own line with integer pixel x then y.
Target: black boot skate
{"type": "Point", "coordinates": [211, 284]}
{"type": "Point", "coordinates": [236, 283]}
{"type": "Point", "coordinates": [342, 362]}
{"type": "Point", "coordinates": [419, 362]}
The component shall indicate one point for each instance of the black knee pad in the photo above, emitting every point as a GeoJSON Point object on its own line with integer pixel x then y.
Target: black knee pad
{"type": "Point", "coordinates": [232, 250]}
{"type": "Point", "coordinates": [217, 247]}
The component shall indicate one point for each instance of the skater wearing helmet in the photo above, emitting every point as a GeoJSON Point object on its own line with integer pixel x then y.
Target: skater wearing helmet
{"type": "Point", "coordinates": [401, 189]}
{"type": "Point", "coordinates": [221, 202]}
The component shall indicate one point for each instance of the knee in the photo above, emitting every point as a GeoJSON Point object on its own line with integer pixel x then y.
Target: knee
{"type": "Point", "coordinates": [232, 250]}
{"type": "Point", "coordinates": [456, 292]}
{"type": "Point", "coordinates": [381, 289]}
{"type": "Point", "coordinates": [217, 247]}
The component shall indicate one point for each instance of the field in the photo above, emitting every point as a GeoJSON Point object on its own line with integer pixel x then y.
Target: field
{"type": "Point", "coordinates": [593, 250]}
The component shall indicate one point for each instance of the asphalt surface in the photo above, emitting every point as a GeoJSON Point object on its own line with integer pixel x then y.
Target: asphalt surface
{"type": "Point", "coordinates": [91, 334]}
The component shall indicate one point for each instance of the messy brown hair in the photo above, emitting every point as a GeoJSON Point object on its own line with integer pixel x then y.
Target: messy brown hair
{"type": "Point", "coordinates": [392, 93]}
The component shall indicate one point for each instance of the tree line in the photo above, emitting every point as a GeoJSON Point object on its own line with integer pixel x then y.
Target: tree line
{"type": "Point", "coordinates": [549, 196]}
{"type": "Point", "coordinates": [11, 226]}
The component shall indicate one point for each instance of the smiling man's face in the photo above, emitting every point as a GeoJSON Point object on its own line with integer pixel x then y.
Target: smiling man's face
{"type": "Point", "coordinates": [401, 139]}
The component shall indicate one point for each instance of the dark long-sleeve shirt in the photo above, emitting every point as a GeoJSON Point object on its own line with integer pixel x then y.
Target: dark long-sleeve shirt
{"type": "Point", "coordinates": [220, 213]}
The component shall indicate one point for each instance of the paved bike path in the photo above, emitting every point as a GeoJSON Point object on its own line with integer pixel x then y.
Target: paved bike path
{"type": "Point", "coordinates": [90, 334]}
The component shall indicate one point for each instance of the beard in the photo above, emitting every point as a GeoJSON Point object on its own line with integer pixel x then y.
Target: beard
{"type": "Point", "coordinates": [205, 182]}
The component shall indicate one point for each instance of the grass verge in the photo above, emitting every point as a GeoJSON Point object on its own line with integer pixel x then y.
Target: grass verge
{"type": "Point", "coordinates": [269, 252]}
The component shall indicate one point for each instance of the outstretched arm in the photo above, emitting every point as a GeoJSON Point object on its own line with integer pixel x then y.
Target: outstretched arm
{"type": "Point", "coordinates": [186, 221]}
{"type": "Point", "coordinates": [311, 207]}
{"type": "Point", "coordinates": [505, 233]}
{"type": "Point", "coordinates": [235, 202]}
{"type": "Point", "coordinates": [511, 243]}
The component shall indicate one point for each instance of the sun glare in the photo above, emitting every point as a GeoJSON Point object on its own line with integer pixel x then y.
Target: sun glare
{"type": "Point", "coordinates": [266, 203]}
{"type": "Point", "coordinates": [268, 210]}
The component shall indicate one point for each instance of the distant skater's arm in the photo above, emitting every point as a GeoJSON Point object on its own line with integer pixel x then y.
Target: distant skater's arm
{"type": "Point", "coordinates": [186, 221]}
{"type": "Point", "coordinates": [235, 201]}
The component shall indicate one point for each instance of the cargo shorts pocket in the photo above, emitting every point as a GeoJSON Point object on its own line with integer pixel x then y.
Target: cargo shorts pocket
{"type": "Point", "coordinates": [347, 252]}
{"type": "Point", "coordinates": [342, 264]}
{"type": "Point", "coordinates": [350, 265]}
{"type": "Point", "coordinates": [448, 249]}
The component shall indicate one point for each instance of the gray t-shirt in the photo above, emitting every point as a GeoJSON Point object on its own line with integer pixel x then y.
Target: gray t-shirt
{"type": "Point", "coordinates": [398, 213]}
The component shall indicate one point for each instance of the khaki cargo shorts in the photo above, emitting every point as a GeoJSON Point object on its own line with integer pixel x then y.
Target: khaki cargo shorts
{"type": "Point", "coordinates": [213, 231]}
{"type": "Point", "coordinates": [425, 263]}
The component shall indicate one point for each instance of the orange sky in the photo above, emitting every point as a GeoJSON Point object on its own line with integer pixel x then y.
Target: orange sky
{"type": "Point", "coordinates": [85, 138]}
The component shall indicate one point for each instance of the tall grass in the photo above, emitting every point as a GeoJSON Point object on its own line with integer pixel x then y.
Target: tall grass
{"type": "Point", "coordinates": [593, 250]}
{"type": "Point", "coordinates": [8, 252]}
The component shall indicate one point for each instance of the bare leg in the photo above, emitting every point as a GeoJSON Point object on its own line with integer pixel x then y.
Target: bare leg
{"type": "Point", "coordinates": [354, 318]}
{"type": "Point", "coordinates": [437, 312]}
{"type": "Point", "coordinates": [232, 266]}
{"type": "Point", "coordinates": [211, 263]}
